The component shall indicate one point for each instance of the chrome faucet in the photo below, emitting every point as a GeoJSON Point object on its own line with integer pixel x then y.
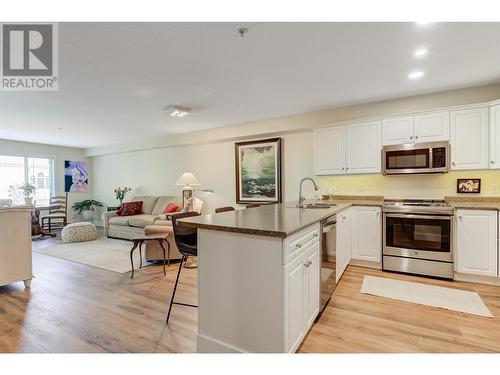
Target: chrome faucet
{"type": "Point", "coordinates": [301, 197]}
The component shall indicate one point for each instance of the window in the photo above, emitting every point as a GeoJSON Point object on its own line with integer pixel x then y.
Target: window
{"type": "Point", "coordinates": [16, 170]}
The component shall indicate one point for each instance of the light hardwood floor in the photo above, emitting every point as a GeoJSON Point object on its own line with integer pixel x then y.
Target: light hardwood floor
{"type": "Point", "coordinates": [76, 308]}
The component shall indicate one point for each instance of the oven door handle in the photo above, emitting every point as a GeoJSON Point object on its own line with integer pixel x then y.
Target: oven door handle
{"type": "Point", "coordinates": [412, 216]}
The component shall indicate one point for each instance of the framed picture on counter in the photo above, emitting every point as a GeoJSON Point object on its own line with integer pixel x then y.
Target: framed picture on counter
{"type": "Point", "coordinates": [469, 185]}
{"type": "Point", "coordinates": [258, 171]}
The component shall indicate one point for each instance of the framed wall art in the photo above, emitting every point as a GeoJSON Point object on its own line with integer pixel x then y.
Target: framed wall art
{"type": "Point", "coordinates": [258, 171]}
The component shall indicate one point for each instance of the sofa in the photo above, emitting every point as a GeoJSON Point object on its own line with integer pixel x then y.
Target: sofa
{"type": "Point", "coordinates": [127, 227]}
{"type": "Point", "coordinates": [150, 222]}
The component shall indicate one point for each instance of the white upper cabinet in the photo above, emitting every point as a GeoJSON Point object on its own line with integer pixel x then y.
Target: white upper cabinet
{"type": "Point", "coordinates": [469, 139]}
{"type": "Point", "coordinates": [396, 131]}
{"type": "Point", "coordinates": [477, 251]}
{"type": "Point", "coordinates": [432, 127]}
{"type": "Point", "coordinates": [427, 127]}
{"type": "Point", "coordinates": [495, 137]}
{"type": "Point", "coordinates": [354, 148]}
{"type": "Point", "coordinates": [329, 150]}
{"type": "Point", "coordinates": [363, 148]}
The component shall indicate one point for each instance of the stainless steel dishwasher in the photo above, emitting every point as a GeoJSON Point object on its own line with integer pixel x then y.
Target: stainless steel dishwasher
{"type": "Point", "coordinates": [328, 260]}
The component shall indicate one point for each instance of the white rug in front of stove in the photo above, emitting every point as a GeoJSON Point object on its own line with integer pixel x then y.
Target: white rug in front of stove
{"type": "Point", "coordinates": [423, 294]}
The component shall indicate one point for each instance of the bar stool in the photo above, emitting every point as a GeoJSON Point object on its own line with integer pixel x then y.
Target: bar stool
{"type": "Point", "coordinates": [186, 240]}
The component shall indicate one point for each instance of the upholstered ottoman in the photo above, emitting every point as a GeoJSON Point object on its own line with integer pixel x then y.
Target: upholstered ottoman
{"type": "Point", "coordinates": [79, 232]}
{"type": "Point", "coordinates": [153, 250]}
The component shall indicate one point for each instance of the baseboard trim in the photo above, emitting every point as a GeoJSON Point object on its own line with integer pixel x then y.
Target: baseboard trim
{"type": "Point", "coordinates": [205, 344]}
{"type": "Point", "coordinates": [489, 280]}
{"type": "Point", "coordinates": [365, 264]}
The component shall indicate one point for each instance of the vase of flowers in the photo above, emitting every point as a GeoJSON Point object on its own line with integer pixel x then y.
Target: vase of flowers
{"type": "Point", "coordinates": [120, 193]}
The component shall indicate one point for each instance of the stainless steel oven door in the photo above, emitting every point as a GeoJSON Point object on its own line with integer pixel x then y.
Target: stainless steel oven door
{"type": "Point", "coordinates": [418, 236]}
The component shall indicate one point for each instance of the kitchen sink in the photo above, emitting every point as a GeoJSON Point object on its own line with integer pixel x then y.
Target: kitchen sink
{"type": "Point", "coordinates": [317, 205]}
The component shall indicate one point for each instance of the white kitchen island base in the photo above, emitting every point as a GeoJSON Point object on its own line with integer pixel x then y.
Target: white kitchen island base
{"type": "Point", "coordinates": [256, 293]}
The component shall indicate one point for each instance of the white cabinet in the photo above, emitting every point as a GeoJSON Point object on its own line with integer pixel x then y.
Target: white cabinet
{"type": "Point", "coordinates": [312, 284]}
{"type": "Point", "coordinates": [15, 245]}
{"type": "Point", "coordinates": [294, 302]}
{"type": "Point", "coordinates": [348, 149]}
{"type": "Point", "coordinates": [363, 148]}
{"type": "Point", "coordinates": [329, 150]}
{"type": "Point", "coordinates": [302, 292]}
{"type": "Point", "coordinates": [396, 131]}
{"type": "Point", "coordinates": [469, 139]}
{"type": "Point", "coordinates": [366, 233]}
{"type": "Point", "coordinates": [427, 127]}
{"type": "Point", "coordinates": [344, 242]}
{"type": "Point", "coordinates": [476, 242]}
{"type": "Point", "coordinates": [495, 137]}
{"type": "Point", "coordinates": [432, 127]}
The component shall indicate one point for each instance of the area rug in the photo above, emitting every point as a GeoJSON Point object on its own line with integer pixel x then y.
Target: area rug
{"type": "Point", "coordinates": [430, 295]}
{"type": "Point", "coordinates": [107, 253]}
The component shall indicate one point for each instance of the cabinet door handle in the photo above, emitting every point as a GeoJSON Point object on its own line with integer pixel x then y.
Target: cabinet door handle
{"type": "Point", "coordinates": [298, 246]}
{"type": "Point", "coordinates": [411, 137]}
{"type": "Point", "coordinates": [416, 137]}
{"type": "Point", "coordinates": [315, 235]}
{"type": "Point", "coordinates": [306, 264]}
{"type": "Point", "coordinates": [460, 217]}
{"type": "Point", "coordinates": [453, 162]}
{"type": "Point", "coordinates": [346, 168]}
{"type": "Point", "coordinates": [492, 162]}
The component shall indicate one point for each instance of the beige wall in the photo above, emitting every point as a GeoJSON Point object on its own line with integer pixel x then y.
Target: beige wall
{"type": "Point", "coordinates": [58, 154]}
{"type": "Point", "coordinates": [154, 172]}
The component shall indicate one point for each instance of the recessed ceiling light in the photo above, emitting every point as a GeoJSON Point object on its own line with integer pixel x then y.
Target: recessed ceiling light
{"type": "Point", "coordinates": [176, 111]}
{"type": "Point", "coordinates": [416, 75]}
{"type": "Point", "coordinates": [422, 23]}
{"type": "Point", "coordinates": [421, 52]}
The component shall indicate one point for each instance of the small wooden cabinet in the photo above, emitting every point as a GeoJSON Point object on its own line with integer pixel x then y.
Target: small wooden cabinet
{"type": "Point", "coordinates": [476, 242]}
{"type": "Point", "coordinates": [469, 139]}
{"type": "Point", "coordinates": [15, 245]}
{"type": "Point", "coordinates": [367, 233]}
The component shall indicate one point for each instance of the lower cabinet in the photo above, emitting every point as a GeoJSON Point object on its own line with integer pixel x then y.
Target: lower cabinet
{"type": "Point", "coordinates": [476, 242]}
{"type": "Point", "coordinates": [367, 233]}
{"type": "Point", "coordinates": [344, 242]}
{"type": "Point", "coordinates": [302, 288]}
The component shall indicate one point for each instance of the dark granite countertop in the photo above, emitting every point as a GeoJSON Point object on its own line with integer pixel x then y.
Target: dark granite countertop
{"type": "Point", "coordinates": [278, 220]}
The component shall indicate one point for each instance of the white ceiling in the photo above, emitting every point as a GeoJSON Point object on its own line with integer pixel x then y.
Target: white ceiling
{"type": "Point", "coordinates": [115, 78]}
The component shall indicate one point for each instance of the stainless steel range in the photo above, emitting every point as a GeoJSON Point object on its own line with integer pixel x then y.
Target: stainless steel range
{"type": "Point", "coordinates": [418, 237]}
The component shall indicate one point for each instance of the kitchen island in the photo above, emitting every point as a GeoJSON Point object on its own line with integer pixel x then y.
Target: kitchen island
{"type": "Point", "coordinates": [258, 277]}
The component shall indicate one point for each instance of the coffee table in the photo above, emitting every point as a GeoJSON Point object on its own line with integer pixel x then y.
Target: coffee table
{"type": "Point", "coordinates": [139, 240]}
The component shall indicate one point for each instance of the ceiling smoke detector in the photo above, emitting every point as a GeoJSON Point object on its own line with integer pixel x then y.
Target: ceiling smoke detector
{"type": "Point", "coordinates": [176, 111]}
{"type": "Point", "coordinates": [242, 31]}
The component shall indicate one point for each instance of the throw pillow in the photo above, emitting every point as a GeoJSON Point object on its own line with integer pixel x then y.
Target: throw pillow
{"type": "Point", "coordinates": [170, 208]}
{"type": "Point", "coordinates": [130, 208]}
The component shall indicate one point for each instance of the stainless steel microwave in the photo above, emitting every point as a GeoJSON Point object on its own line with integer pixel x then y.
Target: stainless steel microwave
{"type": "Point", "coordinates": [431, 157]}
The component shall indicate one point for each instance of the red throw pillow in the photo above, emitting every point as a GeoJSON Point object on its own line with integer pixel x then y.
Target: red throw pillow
{"type": "Point", "coordinates": [130, 208]}
{"type": "Point", "coordinates": [170, 208]}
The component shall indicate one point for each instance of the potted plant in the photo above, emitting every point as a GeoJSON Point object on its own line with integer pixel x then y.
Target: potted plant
{"type": "Point", "coordinates": [120, 193]}
{"type": "Point", "coordinates": [86, 208]}
{"type": "Point", "coordinates": [28, 192]}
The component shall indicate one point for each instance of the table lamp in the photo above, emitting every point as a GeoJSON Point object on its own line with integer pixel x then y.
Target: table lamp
{"type": "Point", "coordinates": [187, 180]}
